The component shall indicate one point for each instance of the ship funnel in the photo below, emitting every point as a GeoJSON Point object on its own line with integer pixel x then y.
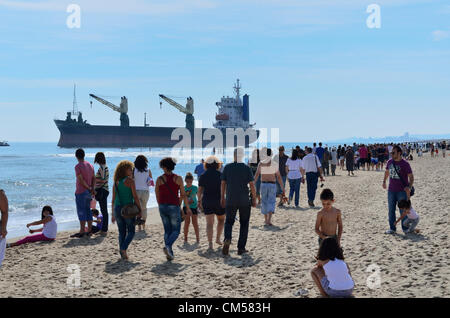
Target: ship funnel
{"type": "Point", "coordinates": [246, 108]}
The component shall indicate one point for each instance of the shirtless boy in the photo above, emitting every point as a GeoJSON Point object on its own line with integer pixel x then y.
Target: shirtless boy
{"type": "Point", "coordinates": [329, 218]}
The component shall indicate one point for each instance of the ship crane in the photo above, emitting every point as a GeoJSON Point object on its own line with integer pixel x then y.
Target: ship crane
{"type": "Point", "coordinates": [188, 110]}
{"type": "Point", "coordinates": [123, 109]}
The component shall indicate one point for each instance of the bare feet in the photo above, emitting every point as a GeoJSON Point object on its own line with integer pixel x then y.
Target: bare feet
{"type": "Point", "coordinates": [219, 243]}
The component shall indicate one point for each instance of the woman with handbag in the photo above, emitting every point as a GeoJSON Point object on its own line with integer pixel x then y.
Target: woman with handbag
{"type": "Point", "coordinates": [169, 190]}
{"type": "Point", "coordinates": [126, 205]}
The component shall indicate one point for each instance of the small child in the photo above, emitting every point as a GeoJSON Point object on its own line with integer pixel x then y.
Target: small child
{"type": "Point", "coordinates": [48, 231]}
{"type": "Point", "coordinates": [332, 275]}
{"type": "Point", "coordinates": [98, 220]}
{"type": "Point", "coordinates": [329, 218]}
{"type": "Point", "coordinates": [191, 192]}
{"type": "Point", "coordinates": [412, 217]}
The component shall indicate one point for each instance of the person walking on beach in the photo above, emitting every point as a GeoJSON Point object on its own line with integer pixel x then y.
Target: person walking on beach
{"type": "Point", "coordinates": [341, 153]}
{"type": "Point", "coordinates": [281, 158]}
{"type": "Point", "coordinates": [329, 219]}
{"type": "Point", "coordinates": [3, 224]}
{"type": "Point", "coordinates": [253, 164]}
{"type": "Point", "coordinates": [143, 179]}
{"type": "Point", "coordinates": [350, 161]}
{"type": "Point", "coordinates": [124, 193]}
{"type": "Point", "coordinates": [84, 193]}
{"type": "Point", "coordinates": [401, 180]}
{"type": "Point", "coordinates": [296, 175]}
{"type": "Point", "coordinates": [326, 162]}
{"type": "Point", "coordinates": [319, 153]}
{"type": "Point", "coordinates": [191, 193]}
{"type": "Point", "coordinates": [209, 199]}
{"type": "Point", "coordinates": [334, 161]}
{"type": "Point", "coordinates": [102, 189]}
{"type": "Point", "coordinates": [236, 178]}
{"type": "Point", "coordinates": [268, 170]}
{"type": "Point", "coordinates": [444, 148]}
{"type": "Point", "coordinates": [332, 275]}
{"type": "Point", "coordinates": [364, 157]}
{"type": "Point", "coordinates": [199, 169]}
{"type": "Point", "coordinates": [169, 190]}
{"type": "Point", "coordinates": [48, 231]}
{"type": "Point", "coordinates": [313, 170]}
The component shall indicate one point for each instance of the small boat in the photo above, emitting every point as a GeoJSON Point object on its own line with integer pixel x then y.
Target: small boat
{"type": "Point", "coordinates": [3, 144]}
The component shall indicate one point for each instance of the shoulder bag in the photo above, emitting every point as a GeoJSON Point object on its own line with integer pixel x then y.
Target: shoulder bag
{"type": "Point", "coordinates": [405, 184]}
{"type": "Point", "coordinates": [130, 210]}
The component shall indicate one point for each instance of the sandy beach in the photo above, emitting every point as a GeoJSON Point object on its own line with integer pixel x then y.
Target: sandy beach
{"type": "Point", "coordinates": [280, 257]}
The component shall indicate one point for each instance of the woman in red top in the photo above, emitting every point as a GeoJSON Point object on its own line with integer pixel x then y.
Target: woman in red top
{"type": "Point", "coordinates": [169, 190]}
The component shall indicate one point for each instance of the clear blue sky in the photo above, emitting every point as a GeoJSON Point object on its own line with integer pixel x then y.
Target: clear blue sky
{"type": "Point", "coordinates": [312, 68]}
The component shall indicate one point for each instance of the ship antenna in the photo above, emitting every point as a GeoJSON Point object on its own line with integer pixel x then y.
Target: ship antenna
{"type": "Point", "coordinates": [75, 105]}
{"type": "Point", "coordinates": [237, 88]}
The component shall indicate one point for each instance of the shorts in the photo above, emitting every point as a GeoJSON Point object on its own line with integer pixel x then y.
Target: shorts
{"type": "Point", "coordinates": [333, 292]}
{"type": "Point", "coordinates": [321, 239]}
{"type": "Point", "coordinates": [83, 202]}
{"type": "Point", "coordinates": [374, 160]}
{"type": "Point", "coordinates": [194, 211]}
{"type": "Point", "coordinates": [381, 158]}
{"type": "Point", "coordinates": [217, 210]}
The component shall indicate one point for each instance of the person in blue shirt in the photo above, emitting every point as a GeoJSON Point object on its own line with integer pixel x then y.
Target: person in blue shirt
{"type": "Point", "coordinates": [320, 151]}
{"type": "Point", "coordinates": [200, 169]}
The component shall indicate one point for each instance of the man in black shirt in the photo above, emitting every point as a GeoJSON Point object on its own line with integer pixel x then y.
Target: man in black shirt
{"type": "Point", "coordinates": [236, 177]}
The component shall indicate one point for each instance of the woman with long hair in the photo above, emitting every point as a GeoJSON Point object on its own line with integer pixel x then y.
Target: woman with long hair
{"type": "Point", "coordinates": [49, 229]}
{"type": "Point", "coordinates": [253, 164]}
{"type": "Point", "coordinates": [102, 189]}
{"type": "Point", "coordinates": [296, 175]}
{"type": "Point", "coordinates": [169, 190]}
{"type": "Point", "coordinates": [143, 179]}
{"type": "Point", "coordinates": [124, 193]}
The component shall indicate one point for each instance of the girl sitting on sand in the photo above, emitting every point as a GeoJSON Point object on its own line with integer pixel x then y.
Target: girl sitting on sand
{"type": "Point", "coordinates": [332, 274]}
{"type": "Point", "coordinates": [48, 231]}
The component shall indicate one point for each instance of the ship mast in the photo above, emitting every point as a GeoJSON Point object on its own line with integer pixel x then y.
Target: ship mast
{"type": "Point", "coordinates": [75, 105]}
{"type": "Point", "coordinates": [237, 88]}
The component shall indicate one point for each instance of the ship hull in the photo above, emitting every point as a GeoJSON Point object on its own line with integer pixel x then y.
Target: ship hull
{"type": "Point", "coordinates": [97, 136]}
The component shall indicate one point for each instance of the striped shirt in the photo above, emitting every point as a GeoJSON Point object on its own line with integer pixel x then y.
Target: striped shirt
{"type": "Point", "coordinates": [103, 174]}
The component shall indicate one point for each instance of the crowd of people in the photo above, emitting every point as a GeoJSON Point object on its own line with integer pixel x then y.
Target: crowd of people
{"type": "Point", "coordinates": [225, 190]}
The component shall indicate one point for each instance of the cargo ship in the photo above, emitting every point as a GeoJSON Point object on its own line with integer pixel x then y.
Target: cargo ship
{"type": "Point", "coordinates": [232, 127]}
{"type": "Point", "coordinates": [4, 144]}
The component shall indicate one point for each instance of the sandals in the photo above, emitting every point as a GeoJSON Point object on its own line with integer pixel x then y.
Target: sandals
{"type": "Point", "coordinates": [77, 235]}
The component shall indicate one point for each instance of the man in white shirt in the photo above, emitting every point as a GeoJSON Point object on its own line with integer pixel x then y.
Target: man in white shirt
{"type": "Point", "coordinates": [313, 170]}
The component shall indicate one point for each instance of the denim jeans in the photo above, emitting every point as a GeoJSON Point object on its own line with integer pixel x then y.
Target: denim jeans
{"type": "Point", "coordinates": [83, 202]}
{"type": "Point", "coordinates": [171, 219]}
{"type": "Point", "coordinates": [393, 198]}
{"type": "Point", "coordinates": [102, 197]}
{"type": "Point", "coordinates": [312, 178]}
{"type": "Point", "coordinates": [126, 228]}
{"type": "Point", "coordinates": [244, 220]}
{"type": "Point", "coordinates": [294, 188]}
{"type": "Point", "coordinates": [268, 197]}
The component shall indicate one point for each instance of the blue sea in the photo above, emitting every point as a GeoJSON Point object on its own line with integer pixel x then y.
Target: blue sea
{"type": "Point", "coordinates": [38, 174]}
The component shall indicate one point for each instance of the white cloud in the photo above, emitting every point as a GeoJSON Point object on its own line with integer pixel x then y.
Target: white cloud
{"type": "Point", "coordinates": [440, 35]}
